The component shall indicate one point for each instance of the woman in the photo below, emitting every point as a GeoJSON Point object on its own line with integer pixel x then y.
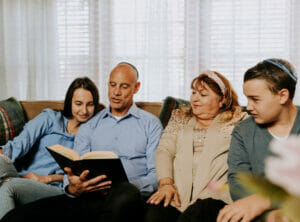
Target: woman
{"type": "Point", "coordinates": [192, 152]}
{"type": "Point", "coordinates": [39, 175]}
{"type": "Point", "coordinates": [269, 87]}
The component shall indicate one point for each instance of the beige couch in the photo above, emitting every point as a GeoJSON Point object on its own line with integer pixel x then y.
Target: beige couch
{"type": "Point", "coordinates": [17, 115]}
{"type": "Point", "coordinates": [14, 114]}
{"type": "Point", "coordinates": [33, 108]}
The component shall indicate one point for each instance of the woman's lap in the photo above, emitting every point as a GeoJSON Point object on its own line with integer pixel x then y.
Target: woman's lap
{"type": "Point", "coordinates": [202, 210]}
{"type": "Point", "coordinates": [7, 169]}
{"type": "Point", "coordinates": [18, 191]}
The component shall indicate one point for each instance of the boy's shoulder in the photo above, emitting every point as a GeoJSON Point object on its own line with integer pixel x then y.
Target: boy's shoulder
{"type": "Point", "coordinates": [246, 124]}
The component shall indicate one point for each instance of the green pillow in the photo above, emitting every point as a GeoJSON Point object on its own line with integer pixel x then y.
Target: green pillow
{"type": "Point", "coordinates": [12, 119]}
{"type": "Point", "coordinates": [169, 104]}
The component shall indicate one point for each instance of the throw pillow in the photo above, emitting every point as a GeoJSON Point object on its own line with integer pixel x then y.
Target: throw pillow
{"type": "Point", "coordinates": [12, 119]}
{"type": "Point", "coordinates": [168, 105]}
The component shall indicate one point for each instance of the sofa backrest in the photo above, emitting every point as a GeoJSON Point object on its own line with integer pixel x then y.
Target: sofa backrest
{"type": "Point", "coordinates": [33, 108]}
{"type": "Point", "coordinates": [14, 114]}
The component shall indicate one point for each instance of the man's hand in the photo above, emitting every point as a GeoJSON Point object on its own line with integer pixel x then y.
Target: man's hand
{"type": "Point", "coordinates": [244, 210]}
{"type": "Point", "coordinates": [37, 177]}
{"type": "Point", "coordinates": [81, 184]}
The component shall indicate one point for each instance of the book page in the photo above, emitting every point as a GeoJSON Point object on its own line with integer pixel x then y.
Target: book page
{"type": "Point", "coordinates": [100, 155]}
{"type": "Point", "coordinates": [65, 151]}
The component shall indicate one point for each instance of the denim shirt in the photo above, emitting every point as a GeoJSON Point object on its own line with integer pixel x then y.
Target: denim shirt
{"type": "Point", "coordinates": [47, 129]}
{"type": "Point", "coordinates": [134, 138]}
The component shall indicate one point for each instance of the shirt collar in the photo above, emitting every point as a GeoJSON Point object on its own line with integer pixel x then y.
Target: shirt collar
{"type": "Point", "coordinates": [133, 111]}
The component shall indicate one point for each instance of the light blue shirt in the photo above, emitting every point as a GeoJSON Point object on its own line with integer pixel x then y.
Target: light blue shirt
{"type": "Point", "coordinates": [47, 129]}
{"type": "Point", "coordinates": [134, 138]}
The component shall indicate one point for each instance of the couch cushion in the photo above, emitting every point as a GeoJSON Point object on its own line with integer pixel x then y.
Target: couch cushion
{"type": "Point", "coordinates": [152, 107]}
{"type": "Point", "coordinates": [12, 119]}
{"type": "Point", "coordinates": [169, 104]}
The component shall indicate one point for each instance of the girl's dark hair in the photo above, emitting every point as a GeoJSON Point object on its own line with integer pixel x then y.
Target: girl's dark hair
{"type": "Point", "coordinates": [84, 83]}
{"type": "Point", "coordinates": [277, 73]}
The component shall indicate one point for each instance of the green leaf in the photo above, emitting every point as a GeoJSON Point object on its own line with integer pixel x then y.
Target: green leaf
{"type": "Point", "coordinates": [262, 186]}
{"type": "Point", "coordinates": [291, 208]}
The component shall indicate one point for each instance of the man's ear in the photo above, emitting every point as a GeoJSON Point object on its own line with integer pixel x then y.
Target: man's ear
{"type": "Point", "coordinates": [284, 95]}
{"type": "Point", "coordinates": [137, 87]}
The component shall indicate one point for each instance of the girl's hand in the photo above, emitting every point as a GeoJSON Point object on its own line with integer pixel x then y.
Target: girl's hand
{"type": "Point", "coordinates": [37, 177]}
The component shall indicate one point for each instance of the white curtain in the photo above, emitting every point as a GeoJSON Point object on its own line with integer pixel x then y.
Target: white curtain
{"type": "Point", "coordinates": [28, 44]}
{"type": "Point", "coordinates": [230, 36]}
{"type": "Point", "coordinates": [45, 44]}
{"type": "Point", "coordinates": [148, 34]}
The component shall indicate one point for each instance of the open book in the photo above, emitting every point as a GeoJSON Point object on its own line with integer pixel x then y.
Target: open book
{"type": "Point", "coordinates": [97, 162]}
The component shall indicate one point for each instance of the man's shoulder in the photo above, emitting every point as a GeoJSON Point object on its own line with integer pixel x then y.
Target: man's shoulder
{"type": "Point", "coordinates": [147, 116]}
{"type": "Point", "coordinates": [95, 120]}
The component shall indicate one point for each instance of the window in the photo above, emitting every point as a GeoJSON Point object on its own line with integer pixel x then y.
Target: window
{"type": "Point", "coordinates": [169, 41]}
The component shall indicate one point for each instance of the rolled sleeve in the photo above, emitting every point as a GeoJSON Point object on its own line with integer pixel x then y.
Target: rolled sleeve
{"type": "Point", "coordinates": [149, 183]}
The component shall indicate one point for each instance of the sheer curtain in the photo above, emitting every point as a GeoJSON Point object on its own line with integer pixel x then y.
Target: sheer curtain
{"type": "Point", "coordinates": [45, 44]}
{"type": "Point", "coordinates": [231, 36]}
{"type": "Point", "coordinates": [28, 49]}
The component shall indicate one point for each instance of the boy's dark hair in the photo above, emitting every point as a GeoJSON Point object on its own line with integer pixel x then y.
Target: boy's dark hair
{"type": "Point", "coordinates": [278, 73]}
{"type": "Point", "coordinates": [84, 83]}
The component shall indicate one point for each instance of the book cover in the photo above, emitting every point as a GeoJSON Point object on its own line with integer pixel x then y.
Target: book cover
{"type": "Point", "coordinates": [110, 166]}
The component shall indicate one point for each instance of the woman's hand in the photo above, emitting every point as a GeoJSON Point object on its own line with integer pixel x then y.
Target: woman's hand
{"type": "Point", "coordinates": [37, 177]}
{"type": "Point", "coordinates": [44, 178]}
{"type": "Point", "coordinates": [166, 192]}
{"type": "Point", "coordinates": [81, 184]}
{"type": "Point", "coordinates": [5, 157]}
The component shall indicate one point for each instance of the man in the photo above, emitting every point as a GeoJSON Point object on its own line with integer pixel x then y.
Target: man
{"type": "Point", "coordinates": [133, 134]}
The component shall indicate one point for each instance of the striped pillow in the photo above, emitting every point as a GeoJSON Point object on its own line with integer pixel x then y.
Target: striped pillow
{"type": "Point", "coordinates": [12, 119]}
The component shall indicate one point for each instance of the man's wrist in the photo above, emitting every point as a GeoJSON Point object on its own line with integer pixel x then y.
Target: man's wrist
{"type": "Point", "coordinates": [67, 189]}
{"type": "Point", "coordinates": [68, 193]}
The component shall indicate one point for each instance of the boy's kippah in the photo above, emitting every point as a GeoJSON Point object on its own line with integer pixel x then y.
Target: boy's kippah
{"type": "Point", "coordinates": [283, 68]}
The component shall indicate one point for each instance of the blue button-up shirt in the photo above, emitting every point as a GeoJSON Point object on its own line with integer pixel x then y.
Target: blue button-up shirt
{"type": "Point", "coordinates": [134, 138]}
{"type": "Point", "coordinates": [46, 129]}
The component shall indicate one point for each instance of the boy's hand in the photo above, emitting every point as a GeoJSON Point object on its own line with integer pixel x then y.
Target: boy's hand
{"type": "Point", "coordinates": [244, 210]}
